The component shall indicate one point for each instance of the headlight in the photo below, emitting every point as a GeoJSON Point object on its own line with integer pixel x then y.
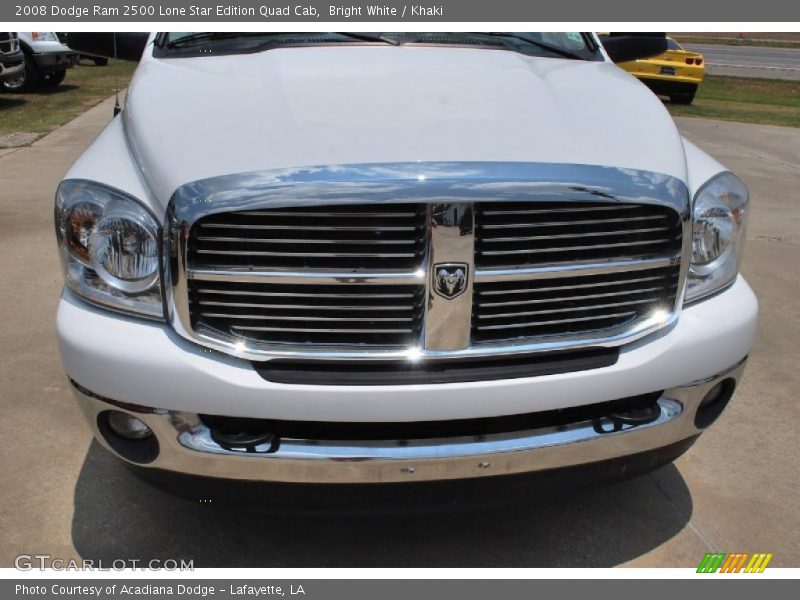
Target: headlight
{"type": "Point", "coordinates": [719, 228]}
{"type": "Point", "coordinates": [110, 248]}
{"type": "Point", "coordinates": [44, 36]}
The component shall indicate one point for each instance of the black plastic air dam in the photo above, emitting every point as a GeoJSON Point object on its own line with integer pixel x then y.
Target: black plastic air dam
{"type": "Point", "coordinates": [635, 410]}
{"type": "Point", "coordinates": [356, 500]}
{"type": "Point", "coordinates": [405, 372]}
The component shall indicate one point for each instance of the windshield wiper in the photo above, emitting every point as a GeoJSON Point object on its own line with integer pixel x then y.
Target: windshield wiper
{"type": "Point", "coordinates": [199, 37]}
{"type": "Point", "coordinates": [369, 37]}
{"type": "Point", "coordinates": [542, 45]}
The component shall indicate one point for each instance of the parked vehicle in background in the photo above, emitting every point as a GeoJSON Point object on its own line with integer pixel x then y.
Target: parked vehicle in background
{"type": "Point", "coordinates": [46, 61]}
{"type": "Point", "coordinates": [12, 62]}
{"type": "Point", "coordinates": [100, 61]}
{"type": "Point", "coordinates": [676, 73]}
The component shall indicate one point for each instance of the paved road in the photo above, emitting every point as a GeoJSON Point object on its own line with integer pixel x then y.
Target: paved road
{"type": "Point", "coordinates": [750, 61]}
{"type": "Point", "coordinates": [736, 489]}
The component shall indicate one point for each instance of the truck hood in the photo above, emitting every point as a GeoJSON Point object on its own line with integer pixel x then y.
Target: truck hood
{"type": "Point", "coordinates": [188, 119]}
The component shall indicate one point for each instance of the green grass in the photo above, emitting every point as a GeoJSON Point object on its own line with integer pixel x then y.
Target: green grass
{"type": "Point", "coordinates": [45, 109]}
{"type": "Point", "coordinates": [761, 101]}
{"type": "Point", "coordinates": [728, 41]}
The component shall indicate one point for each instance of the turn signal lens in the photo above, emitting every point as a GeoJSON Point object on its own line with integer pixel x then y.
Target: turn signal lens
{"type": "Point", "coordinates": [80, 221]}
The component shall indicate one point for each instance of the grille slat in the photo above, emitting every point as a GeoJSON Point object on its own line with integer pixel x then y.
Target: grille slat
{"type": "Point", "coordinates": [599, 317]}
{"type": "Point", "coordinates": [300, 294]}
{"type": "Point", "coordinates": [326, 330]}
{"type": "Point", "coordinates": [309, 254]}
{"type": "Point", "coordinates": [529, 238]}
{"type": "Point", "coordinates": [571, 248]}
{"type": "Point", "coordinates": [565, 298]}
{"type": "Point", "coordinates": [306, 227]}
{"type": "Point", "coordinates": [566, 287]}
{"type": "Point", "coordinates": [282, 317]}
{"type": "Point", "coordinates": [529, 313]}
{"type": "Point", "coordinates": [570, 223]}
{"type": "Point", "coordinates": [549, 211]}
{"type": "Point", "coordinates": [302, 241]}
{"type": "Point", "coordinates": [299, 306]}
{"type": "Point", "coordinates": [316, 213]}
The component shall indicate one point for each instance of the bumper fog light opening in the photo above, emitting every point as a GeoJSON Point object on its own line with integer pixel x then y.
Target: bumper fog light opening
{"type": "Point", "coordinates": [713, 403]}
{"type": "Point", "coordinates": [127, 426]}
{"type": "Point", "coordinates": [128, 436]}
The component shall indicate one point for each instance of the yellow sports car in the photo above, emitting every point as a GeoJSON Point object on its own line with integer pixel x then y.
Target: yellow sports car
{"type": "Point", "coordinates": [675, 73]}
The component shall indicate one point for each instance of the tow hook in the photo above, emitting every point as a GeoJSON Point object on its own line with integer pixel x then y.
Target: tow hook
{"type": "Point", "coordinates": [261, 443]}
{"type": "Point", "coordinates": [633, 417]}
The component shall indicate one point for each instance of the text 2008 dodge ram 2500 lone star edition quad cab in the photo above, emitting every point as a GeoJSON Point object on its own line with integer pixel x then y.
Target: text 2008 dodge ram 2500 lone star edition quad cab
{"type": "Point", "coordinates": [387, 258]}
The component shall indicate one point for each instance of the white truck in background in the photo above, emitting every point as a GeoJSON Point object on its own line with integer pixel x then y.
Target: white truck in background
{"type": "Point", "coordinates": [45, 62]}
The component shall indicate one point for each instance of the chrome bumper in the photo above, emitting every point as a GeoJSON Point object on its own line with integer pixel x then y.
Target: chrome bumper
{"type": "Point", "coordinates": [186, 446]}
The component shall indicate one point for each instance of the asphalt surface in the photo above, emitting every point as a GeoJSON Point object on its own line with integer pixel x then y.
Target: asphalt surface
{"type": "Point", "coordinates": [749, 61]}
{"type": "Point", "coordinates": [735, 490]}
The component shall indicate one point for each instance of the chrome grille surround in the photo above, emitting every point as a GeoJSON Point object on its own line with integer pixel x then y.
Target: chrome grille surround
{"type": "Point", "coordinates": [450, 191]}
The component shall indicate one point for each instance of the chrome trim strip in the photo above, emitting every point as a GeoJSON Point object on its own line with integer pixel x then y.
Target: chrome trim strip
{"type": "Point", "coordinates": [563, 299]}
{"type": "Point", "coordinates": [567, 248]}
{"type": "Point", "coordinates": [448, 320]}
{"type": "Point", "coordinates": [304, 254]}
{"type": "Point", "coordinates": [555, 321]}
{"type": "Point", "coordinates": [531, 238]}
{"type": "Point", "coordinates": [607, 337]}
{"type": "Point", "coordinates": [186, 446]}
{"type": "Point", "coordinates": [254, 276]}
{"type": "Point", "coordinates": [433, 183]}
{"type": "Point", "coordinates": [574, 269]}
{"type": "Point", "coordinates": [563, 310]}
{"type": "Point", "coordinates": [303, 227]}
{"type": "Point", "coordinates": [426, 182]}
{"type": "Point", "coordinates": [562, 223]}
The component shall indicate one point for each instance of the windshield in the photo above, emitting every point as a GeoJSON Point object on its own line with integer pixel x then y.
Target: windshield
{"type": "Point", "coordinates": [572, 45]}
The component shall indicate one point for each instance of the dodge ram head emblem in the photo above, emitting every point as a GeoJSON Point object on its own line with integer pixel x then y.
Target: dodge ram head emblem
{"type": "Point", "coordinates": [450, 279]}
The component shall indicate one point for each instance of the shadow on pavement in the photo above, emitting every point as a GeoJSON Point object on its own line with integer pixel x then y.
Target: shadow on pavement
{"type": "Point", "coordinates": [9, 102]}
{"type": "Point", "coordinates": [119, 516]}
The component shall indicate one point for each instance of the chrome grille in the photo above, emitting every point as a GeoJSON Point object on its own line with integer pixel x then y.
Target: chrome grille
{"type": "Point", "coordinates": [8, 43]}
{"type": "Point", "coordinates": [514, 310]}
{"type": "Point", "coordinates": [426, 259]}
{"type": "Point", "coordinates": [337, 237]}
{"type": "Point", "coordinates": [513, 234]}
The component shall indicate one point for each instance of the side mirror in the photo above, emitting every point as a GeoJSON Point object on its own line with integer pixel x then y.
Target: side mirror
{"type": "Point", "coordinates": [622, 47]}
{"type": "Point", "coordinates": [129, 46]}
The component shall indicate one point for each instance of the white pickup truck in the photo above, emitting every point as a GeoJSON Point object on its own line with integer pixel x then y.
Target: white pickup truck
{"type": "Point", "coordinates": [45, 61]}
{"type": "Point", "coordinates": [398, 257]}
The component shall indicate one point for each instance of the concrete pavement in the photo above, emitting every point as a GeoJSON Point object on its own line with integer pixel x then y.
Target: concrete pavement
{"type": "Point", "coordinates": [734, 491]}
{"type": "Point", "coordinates": [749, 61]}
